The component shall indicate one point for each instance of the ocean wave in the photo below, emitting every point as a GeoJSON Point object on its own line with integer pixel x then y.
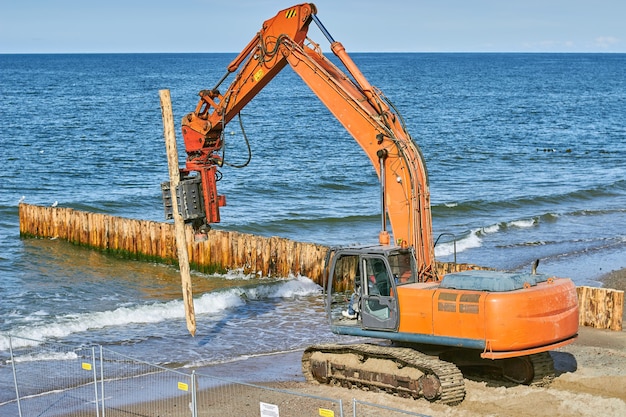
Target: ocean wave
{"type": "Point", "coordinates": [46, 356]}
{"type": "Point", "coordinates": [474, 237]}
{"type": "Point", "coordinates": [316, 221]}
{"type": "Point", "coordinates": [600, 212]}
{"type": "Point", "coordinates": [447, 209]}
{"type": "Point", "coordinates": [207, 304]}
{"type": "Point", "coordinates": [523, 223]}
{"type": "Point", "coordinates": [324, 230]}
{"type": "Point", "coordinates": [527, 244]}
{"type": "Point", "coordinates": [469, 241]}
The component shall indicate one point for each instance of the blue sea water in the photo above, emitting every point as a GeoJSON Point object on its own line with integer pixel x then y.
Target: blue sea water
{"type": "Point", "coordinates": [525, 154]}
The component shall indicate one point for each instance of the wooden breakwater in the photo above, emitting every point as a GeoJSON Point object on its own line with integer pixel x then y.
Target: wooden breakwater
{"type": "Point", "coordinates": [227, 250]}
{"type": "Point", "coordinates": [155, 242]}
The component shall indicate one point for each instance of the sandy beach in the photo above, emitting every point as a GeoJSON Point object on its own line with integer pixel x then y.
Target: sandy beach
{"type": "Point", "coordinates": [591, 381]}
{"type": "Point", "coordinates": [616, 280]}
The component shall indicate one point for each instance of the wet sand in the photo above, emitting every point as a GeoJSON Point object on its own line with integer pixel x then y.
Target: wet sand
{"type": "Point", "coordinates": [616, 280]}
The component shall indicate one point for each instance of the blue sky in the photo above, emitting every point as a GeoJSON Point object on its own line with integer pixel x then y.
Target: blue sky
{"type": "Point", "coordinates": [74, 26]}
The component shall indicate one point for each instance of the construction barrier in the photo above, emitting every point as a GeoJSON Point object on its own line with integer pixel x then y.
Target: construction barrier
{"type": "Point", "coordinates": [52, 379]}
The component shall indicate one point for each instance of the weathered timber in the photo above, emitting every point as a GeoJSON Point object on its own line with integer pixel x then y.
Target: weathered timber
{"type": "Point", "coordinates": [602, 308]}
{"type": "Point", "coordinates": [227, 250]}
{"type": "Point", "coordinates": [156, 242]}
{"type": "Point", "coordinates": [179, 223]}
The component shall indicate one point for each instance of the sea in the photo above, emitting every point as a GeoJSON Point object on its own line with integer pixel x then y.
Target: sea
{"type": "Point", "coordinates": [526, 156]}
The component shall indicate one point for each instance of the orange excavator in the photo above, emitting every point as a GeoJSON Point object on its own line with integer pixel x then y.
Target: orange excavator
{"type": "Point", "coordinates": [425, 329]}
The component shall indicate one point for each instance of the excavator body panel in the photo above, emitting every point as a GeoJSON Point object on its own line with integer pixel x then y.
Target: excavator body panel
{"type": "Point", "coordinates": [504, 314]}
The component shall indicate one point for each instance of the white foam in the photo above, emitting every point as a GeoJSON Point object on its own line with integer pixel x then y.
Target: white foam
{"type": "Point", "coordinates": [46, 356]}
{"type": "Point", "coordinates": [488, 230]}
{"type": "Point", "coordinates": [522, 224]}
{"type": "Point", "coordinates": [209, 303]}
{"type": "Point", "coordinates": [472, 240]}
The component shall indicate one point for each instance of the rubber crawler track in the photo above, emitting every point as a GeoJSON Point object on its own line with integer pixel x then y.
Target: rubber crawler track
{"type": "Point", "coordinates": [543, 366]}
{"type": "Point", "coordinates": [449, 376]}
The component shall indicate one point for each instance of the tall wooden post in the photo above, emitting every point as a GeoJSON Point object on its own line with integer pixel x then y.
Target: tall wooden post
{"type": "Point", "coordinates": [179, 224]}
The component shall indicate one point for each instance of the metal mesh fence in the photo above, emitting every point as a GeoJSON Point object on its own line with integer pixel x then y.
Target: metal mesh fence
{"type": "Point", "coordinates": [365, 409]}
{"type": "Point", "coordinates": [50, 380]}
{"type": "Point", "coordinates": [220, 397]}
{"type": "Point", "coordinates": [134, 388]}
{"type": "Point", "coordinates": [8, 396]}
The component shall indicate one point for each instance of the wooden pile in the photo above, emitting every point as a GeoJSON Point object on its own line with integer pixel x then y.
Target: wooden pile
{"type": "Point", "coordinates": [155, 242]}
{"type": "Point", "coordinates": [602, 308]}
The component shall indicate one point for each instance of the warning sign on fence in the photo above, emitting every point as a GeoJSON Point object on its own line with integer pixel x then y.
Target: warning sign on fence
{"type": "Point", "coordinates": [269, 410]}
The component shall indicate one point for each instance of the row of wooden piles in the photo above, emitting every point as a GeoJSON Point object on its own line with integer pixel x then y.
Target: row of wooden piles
{"type": "Point", "coordinates": [228, 250]}
{"type": "Point", "coordinates": [155, 242]}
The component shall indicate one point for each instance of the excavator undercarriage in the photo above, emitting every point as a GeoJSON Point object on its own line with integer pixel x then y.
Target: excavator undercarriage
{"type": "Point", "coordinates": [402, 371]}
{"type": "Point", "coordinates": [411, 373]}
{"type": "Point", "coordinates": [536, 370]}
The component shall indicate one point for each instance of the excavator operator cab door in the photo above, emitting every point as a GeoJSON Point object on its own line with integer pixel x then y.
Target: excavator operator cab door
{"type": "Point", "coordinates": [373, 303]}
{"type": "Point", "coordinates": [379, 303]}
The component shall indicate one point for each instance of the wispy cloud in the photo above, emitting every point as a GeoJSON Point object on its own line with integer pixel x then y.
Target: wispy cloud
{"type": "Point", "coordinates": [606, 42]}
{"type": "Point", "coordinates": [550, 45]}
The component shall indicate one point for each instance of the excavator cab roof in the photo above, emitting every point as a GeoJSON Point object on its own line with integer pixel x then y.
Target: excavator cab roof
{"type": "Point", "coordinates": [384, 250]}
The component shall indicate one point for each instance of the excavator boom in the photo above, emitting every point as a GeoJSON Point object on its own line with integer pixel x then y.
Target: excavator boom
{"type": "Point", "coordinates": [363, 110]}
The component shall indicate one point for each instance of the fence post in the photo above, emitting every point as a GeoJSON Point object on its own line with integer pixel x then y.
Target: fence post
{"type": "Point", "coordinates": [102, 379]}
{"type": "Point", "coordinates": [194, 402]}
{"type": "Point", "coordinates": [95, 378]}
{"type": "Point", "coordinates": [17, 391]}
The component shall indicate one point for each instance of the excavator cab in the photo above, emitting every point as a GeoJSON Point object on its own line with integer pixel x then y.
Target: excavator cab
{"type": "Point", "coordinates": [373, 274]}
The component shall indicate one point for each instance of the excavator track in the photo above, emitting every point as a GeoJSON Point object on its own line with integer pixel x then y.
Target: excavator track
{"type": "Point", "coordinates": [534, 370]}
{"type": "Point", "coordinates": [543, 367]}
{"type": "Point", "coordinates": [398, 370]}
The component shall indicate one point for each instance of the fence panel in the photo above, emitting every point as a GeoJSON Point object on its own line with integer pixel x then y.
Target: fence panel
{"type": "Point", "coordinates": [219, 397]}
{"type": "Point", "coordinates": [51, 379]}
{"type": "Point", "coordinates": [134, 388]}
{"type": "Point", "coordinates": [365, 409]}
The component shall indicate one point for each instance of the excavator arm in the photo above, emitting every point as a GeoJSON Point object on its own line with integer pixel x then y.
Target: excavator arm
{"type": "Point", "coordinates": [361, 108]}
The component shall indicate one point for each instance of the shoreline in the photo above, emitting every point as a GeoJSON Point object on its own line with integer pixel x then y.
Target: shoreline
{"type": "Point", "coordinates": [591, 376]}
{"type": "Point", "coordinates": [614, 279]}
